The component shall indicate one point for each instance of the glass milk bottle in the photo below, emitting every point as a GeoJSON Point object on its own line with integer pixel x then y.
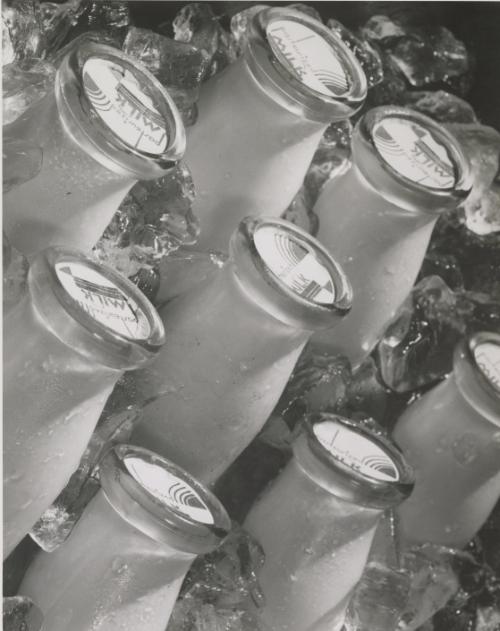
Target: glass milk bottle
{"type": "Point", "coordinates": [261, 119]}
{"type": "Point", "coordinates": [123, 565]}
{"type": "Point", "coordinates": [65, 345]}
{"type": "Point", "coordinates": [378, 216]}
{"type": "Point", "coordinates": [107, 124]}
{"type": "Point", "coordinates": [451, 436]}
{"type": "Point", "coordinates": [232, 345]}
{"type": "Point", "coordinates": [316, 521]}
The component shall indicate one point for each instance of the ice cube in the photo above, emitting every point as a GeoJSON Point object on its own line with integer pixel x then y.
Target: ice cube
{"type": "Point", "coordinates": [24, 85]}
{"type": "Point", "coordinates": [57, 21]}
{"type": "Point", "coordinates": [417, 346]}
{"type": "Point", "coordinates": [23, 21]}
{"type": "Point", "coordinates": [184, 270]}
{"type": "Point", "coordinates": [8, 54]}
{"type": "Point", "coordinates": [22, 161]}
{"type": "Point", "coordinates": [112, 17]}
{"type": "Point", "coordinates": [301, 214]}
{"type": "Point", "coordinates": [380, 28]}
{"type": "Point", "coordinates": [488, 619]}
{"type": "Point", "coordinates": [441, 106]}
{"type": "Point", "coordinates": [367, 55]}
{"type": "Point", "coordinates": [239, 25]}
{"type": "Point", "coordinates": [197, 24]}
{"type": "Point", "coordinates": [392, 89]}
{"type": "Point", "coordinates": [179, 66]}
{"type": "Point", "coordinates": [21, 614]}
{"type": "Point", "coordinates": [154, 219]}
{"type": "Point", "coordinates": [148, 281]}
{"type": "Point", "coordinates": [433, 581]}
{"type": "Point", "coordinates": [378, 600]}
{"type": "Point", "coordinates": [15, 276]}
{"type": "Point", "coordinates": [57, 522]}
{"type": "Point", "coordinates": [446, 266]}
{"type": "Point", "coordinates": [331, 159]}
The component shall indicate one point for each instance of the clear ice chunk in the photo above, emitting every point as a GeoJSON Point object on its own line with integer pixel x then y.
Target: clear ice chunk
{"type": "Point", "coordinates": [21, 614]}
{"type": "Point", "coordinates": [300, 212]}
{"type": "Point", "coordinates": [57, 21]}
{"type": "Point", "coordinates": [154, 219]}
{"type": "Point", "coordinates": [23, 21]}
{"type": "Point", "coordinates": [183, 270]}
{"type": "Point", "coordinates": [331, 159]}
{"type": "Point", "coordinates": [197, 24]}
{"type": "Point", "coordinates": [221, 590]}
{"type": "Point", "coordinates": [24, 85]}
{"type": "Point", "coordinates": [57, 522]}
{"type": "Point", "coordinates": [441, 106]}
{"type": "Point", "coordinates": [367, 55]}
{"type": "Point", "coordinates": [382, 28]}
{"type": "Point", "coordinates": [239, 25]}
{"type": "Point", "coordinates": [22, 161]}
{"type": "Point", "coordinates": [378, 600]}
{"type": "Point", "coordinates": [8, 54]}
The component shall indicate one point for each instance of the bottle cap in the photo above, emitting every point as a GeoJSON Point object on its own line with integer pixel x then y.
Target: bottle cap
{"type": "Point", "coordinates": [118, 112]}
{"type": "Point", "coordinates": [476, 369]}
{"type": "Point", "coordinates": [353, 462]}
{"type": "Point", "coordinates": [291, 274]}
{"type": "Point", "coordinates": [162, 500]}
{"type": "Point", "coordinates": [305, 64]}
{"type": "Point", "coordinates": [94, 309]}
{"type": "Point", "coordinates": [410, 159]}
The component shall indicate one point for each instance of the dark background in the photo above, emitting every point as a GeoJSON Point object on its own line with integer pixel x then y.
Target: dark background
{"type": "Point", "coordinates": [477, 24]}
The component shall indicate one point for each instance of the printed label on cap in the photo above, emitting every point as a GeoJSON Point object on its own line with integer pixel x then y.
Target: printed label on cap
{"type": "Point", "coordinates": [356, 451]}
{"type": "Point", "coordinates": [412, 150]}
{"type": "Point", "coordinates": [295, 264]}
{"type": "Point", "coordinates": [307, 55]}
{"type": "Point", "coordinates": [171, 490]}
{"type": "Point", "coordinates": [120, 101]}
{"type": "Point", "coordinates": [103, 300]}
{"type": "Point", "coordinates": [487, 356]}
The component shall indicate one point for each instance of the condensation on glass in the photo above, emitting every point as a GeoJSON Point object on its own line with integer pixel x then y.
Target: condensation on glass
{"type": "Point", "coordinates": [106, 124]}
{"type": "Point", "coordinates": [377, 218]}
{"type": "Point", "coordinates": [232, 345]}
{"type": "Point", "coordinates": [317, 520]}
{"type": "Point", "coordinates": [261, 119]}
{"type": "Point", "coordinates": [123, 565]}
{"type": "Point", "coordinates": [451, 436]}
{"type": "Point", "coordinates": [66, 343]}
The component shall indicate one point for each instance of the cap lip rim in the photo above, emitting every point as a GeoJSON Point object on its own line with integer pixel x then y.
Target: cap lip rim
{"type": "Point", "coordinates": [149, 514]}
{"type": "Point", "coordinates": [138, 164]}
{"type": "Point", "coordinates": [91, 330]}
{"type": "Point", "coordinates": [326, 108]}
{"type": "Point", "coordinates": [461, 165]}
{"type": "Point", "coordinates": [470, 344]}
{"type": "Point", "coordinates": [319, 314]}
{"type": "Point", "coordinates": [374, 492]}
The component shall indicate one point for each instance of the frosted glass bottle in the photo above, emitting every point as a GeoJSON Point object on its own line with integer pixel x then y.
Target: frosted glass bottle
{"type": "Point", "coordinates": [123, 565]}
{"type": "Point", "coordinates": [261, 120]}
{"type": "Point", "coordinates": [232, 345]}
{"type": "Point", "coordinates": [317, 520]}
{"type": "Point", "coordinates": [107, 123]}
{"type": "Point", "coordinates": [65, 344]}
{"type": "Point", "coordinates": [451, 436]}
{"type": "Point", "coordinates": [378, 217]}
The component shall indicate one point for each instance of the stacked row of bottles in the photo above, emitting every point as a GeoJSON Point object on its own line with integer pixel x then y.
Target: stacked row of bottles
{"type": "Point", "coordinates": [208, 367]}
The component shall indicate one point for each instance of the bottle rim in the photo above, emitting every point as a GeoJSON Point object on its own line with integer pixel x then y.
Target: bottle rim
{"type": "Point", "coordinates": [85, 126]}
{"type": "Point", "coordinates": [73, 326]}
{"type": "Point", "coordinates": [276, 295]}
{"type": "Point", "coordinates": [285, 87]}
{"type": "Point", "coordinates": [393, 184]}
{"type": "Point", "coordinates": [347, 477]}
{"type": "Point", "coordinates": [477, 377]}
{"type": "Point", "coordinates": [134, 481]}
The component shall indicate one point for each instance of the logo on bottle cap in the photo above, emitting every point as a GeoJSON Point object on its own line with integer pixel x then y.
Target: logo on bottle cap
{"type": "Point", "coordinates": [169, 489]}
{"type": "Point", "coordinates": [414, 152]}
{"type": "Point", "coordinates": [356, 451]}
{"type": "Point", "coordinates": [120, 101]}
{"type": "Point", "coordinates": [295, 264]}
{"type": "Point", "coordinates": [307, 55]}
{"type": "Point", "coordinates": [487, 356]}
{"type": "Point", "coordinates": [103, 300]}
